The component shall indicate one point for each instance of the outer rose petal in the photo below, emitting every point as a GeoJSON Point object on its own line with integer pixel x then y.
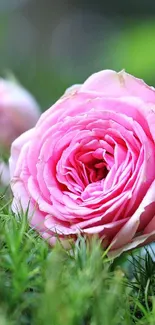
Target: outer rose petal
{"type": "Point", "coordinates": [137, 242]}
{"type": "Point", "coordinates": [23, 202]}
{"type": "Point", "coordinates": [72, 89]}
{"type": "Point", "coordinates": [126, 238]}
{"type": "Point", "coordinates": [16, 149]}
{"type": "Point", "coordinates": [109, 83]}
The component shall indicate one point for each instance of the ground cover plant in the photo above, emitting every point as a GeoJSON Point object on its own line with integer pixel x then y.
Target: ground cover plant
{"type": "Point", "coordinates": [82, 286]}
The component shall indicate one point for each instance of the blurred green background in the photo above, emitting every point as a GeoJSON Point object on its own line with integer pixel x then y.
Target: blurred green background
{"type": "Point", "coordinates": [50, 45]}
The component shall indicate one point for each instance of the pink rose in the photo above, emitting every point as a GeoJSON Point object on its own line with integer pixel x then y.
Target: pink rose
{"type": "Point", "coordinates": [89, 164]}
{"type": "Point", "coordinates": [18, 112]}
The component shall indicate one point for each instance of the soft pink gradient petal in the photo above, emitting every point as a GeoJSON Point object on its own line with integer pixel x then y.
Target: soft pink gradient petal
{"type": "Point", "coordinates": [72, 89]}
{"type": "Point", "coordinates": [128, 231]}
{"type": "Point", "coordinates": [16, 149]}
{"type": "Point", "coordinates": [110, 83]}
{"type": "Point", "coordinates": [138, 241]}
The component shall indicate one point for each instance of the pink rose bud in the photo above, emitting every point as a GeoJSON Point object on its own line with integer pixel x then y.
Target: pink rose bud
{"type": "Point", "coordinates": [88, 166]}
{"type": "Point", "coordinates": [19, 112]}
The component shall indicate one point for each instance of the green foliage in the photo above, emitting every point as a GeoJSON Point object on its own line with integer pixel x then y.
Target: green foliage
{"type": "Point", "coordinates": [134, 50]}
{"type": "Point", "coordinates": [81, 286]}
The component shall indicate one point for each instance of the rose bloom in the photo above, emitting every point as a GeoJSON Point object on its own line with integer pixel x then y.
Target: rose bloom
{"type": "Point", "coordinates": [88, 166]}
{"type": "Point", "coordinates": [19, 112]}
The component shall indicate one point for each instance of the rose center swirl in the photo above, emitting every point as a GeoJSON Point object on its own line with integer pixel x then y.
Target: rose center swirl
{"type": "Point", "coordinates": [83, 167]}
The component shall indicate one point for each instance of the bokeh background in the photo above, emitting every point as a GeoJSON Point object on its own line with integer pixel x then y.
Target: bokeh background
{"type": "Point", "coordinates": [52, 44]}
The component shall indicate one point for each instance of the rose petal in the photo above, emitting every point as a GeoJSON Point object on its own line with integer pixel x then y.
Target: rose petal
{"type": "Point", "coordinates": [109, 83]}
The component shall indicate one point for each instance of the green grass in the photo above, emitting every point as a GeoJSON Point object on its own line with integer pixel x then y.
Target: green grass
{"type": "Point", "coordinates": [52, 286]}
